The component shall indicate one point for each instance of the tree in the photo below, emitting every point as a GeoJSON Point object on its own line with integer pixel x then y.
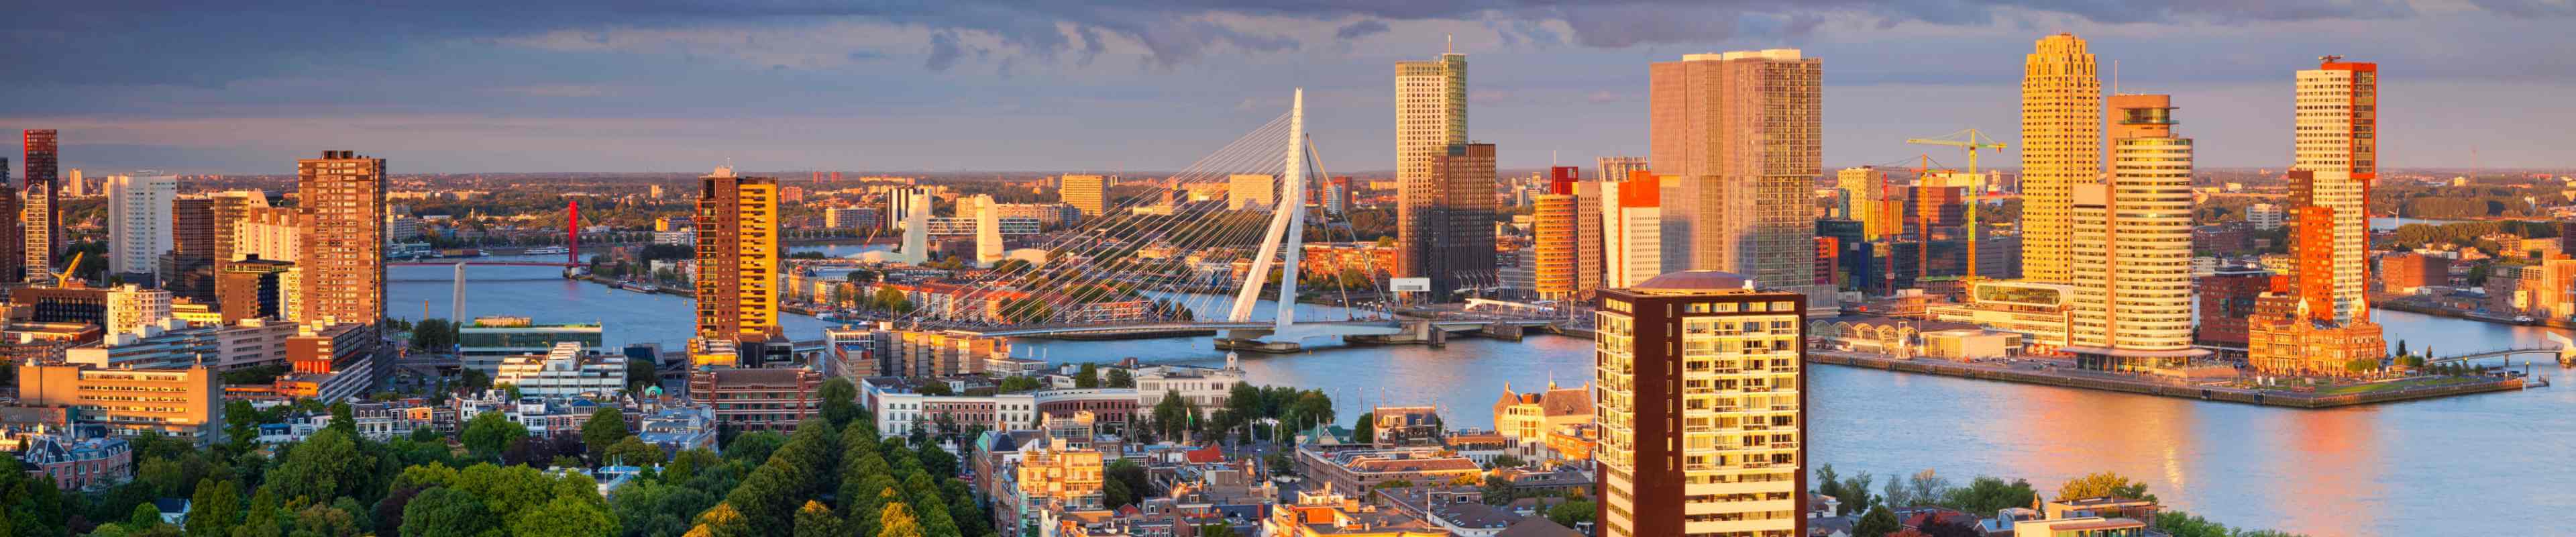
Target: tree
{"type": "Point", "coordinates": [214, 510]}
{"type": "Point", "coordinates": [343, 419]}
{"type": "Point", "coordinates": [2103, 484]}
{"type": "Point", "coordinates": [326, 521]}
{"type": "Point", "coordinates": [1017, 384]}
{"type": "Point", "coordinates": [565, 516]}
{"type": "Point", "coordinates": [631, 451]}
{"type": "Point", "coordinates": [1856, 496]}
{"type": "Point", "coordinates": [2181, 524]}
{"type": "Point", "coordinates": [754, 447]}
{"type": "Point", "coordinates": [839, 401]}
{"type": "Point", "coordinates": [1508, 461]}
{"type": "Point", "coordinates": [446, 512]}
{"type": "Point", "coordinates": [816, 520]}
{"type": "Point", "coordinates": [1216, 530]}
{"type": "Point", "coordinates": [1878, 522]}
{"type": "Point", "coordinates": [1365, 429]}
{"type": "Point", "coordinates": [1124, 483]}
{"type": "Point", "coordinates": [642, 374]}
{"type": "Point", "coordinates": [896, 520]}
{"type": "Point", "coordinates": [1572, 512]}
{"type": "Point", "coordinates": [1990, 494]}
{"type": "Point", "coordinates": [1172, 415]}
{"type": "Point", "coordinates": [721, 521]}
{"type": "Point", "coordinates": [1120, 378]}
{"type": "Point", "coordinates": [144, 515]}
{"type": "Point", "coordinates": [604, 428]}
{"type": "Point", "coordinates": [490, 432]}
{"type": "Point", "coordinates": [328, 465]}
{"type": "Point", "coordinates": [1949, 527]}
{"type": "Point", "coordinates": [1088, 377]}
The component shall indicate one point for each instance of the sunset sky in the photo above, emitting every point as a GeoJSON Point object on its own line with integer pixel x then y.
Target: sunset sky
{"type": "Point", "coordinates": [1117, 85]}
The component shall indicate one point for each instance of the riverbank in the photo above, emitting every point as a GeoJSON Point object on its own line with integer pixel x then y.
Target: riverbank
{"type": "Point", "coordinates": [2438, 311]}
{"type": "Point", "coordinates": [2106, 382]}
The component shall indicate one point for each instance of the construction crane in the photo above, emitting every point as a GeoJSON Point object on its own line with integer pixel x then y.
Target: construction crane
{"type": "Point", "coordinates": [1972, 140]}
{"type": "Point", "coordinates": [65, 277]}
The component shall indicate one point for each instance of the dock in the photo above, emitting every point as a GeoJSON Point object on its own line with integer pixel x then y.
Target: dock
{"type": "Point", "coordinates": [2164, 389]}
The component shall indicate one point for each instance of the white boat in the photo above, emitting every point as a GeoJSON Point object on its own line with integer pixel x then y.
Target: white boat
{"type": "Point", "coordinates": [545, 250]}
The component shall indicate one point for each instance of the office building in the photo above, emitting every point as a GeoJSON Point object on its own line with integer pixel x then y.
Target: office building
{"type": "Point", "coordinates": [1088, 193]}
{"type": "Point", "coordinates": [2264, 216]}
{"type": "Point", "coordinates": [188, 269]}
{"type": "Point", "coordinates": [1258, 192]}
{"type": "Point", "coordinates": [1701, 398]}
{"type": "Point", "coordinates": [2227, 299]}
{"type": "Point", "coordinates": [483, 343]}
{"type": "Point", "coordinates": [131, 307]}
{"type": "Point", "coordinates": [565, 371]}
{"type": "Point", "coordinates": [186, 403]}
{"type": "Point", "coordinates": [772, 399]}
{"type": "Point", "coordinates": [271, 233]}
{"type": "Point", "coordinates": [2337, 147]}
{"type": "Point", "coordinates": [138, 224]}
{"type": "Point", "coordinates": [231, 209]}
{"type": "Point", "coordinates": [902, 203]}
{"type": "Point", "coordinates": [1632, 228]}
{"type": "Point", "coordinates": [1739, 136]}
{"type": "Point", "coordinates": [1866, 194]}
{"type": "Point", "coordinates": [1430, 116]}
{"type": "Point", "coordinates": [342, 251]}
{"type": "Point", "coordinates": [1618, 168]}
{"type": "Point", "coordinates": [2061, 122]}
{"type": "Point", "coordinates": [1445, 222]}
{"type": "Point", "coordinates": [852, 218]}
{"type": "Point", "coordinates": [2409, 273]}
{"type": "Point", "coordinates": [737, 224]}
{"type": "Point", "coordinates": [2130, 250]}
{"type": "Point", "coordinates": [13, 258]}
{"type": "Point", "coordinates": [40, 213]}
{"type": "Point", "coordinates": [1557, 238]}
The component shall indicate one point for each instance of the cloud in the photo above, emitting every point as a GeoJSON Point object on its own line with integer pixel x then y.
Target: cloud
{"type": "Point", "coordinates": [944, 51]}
{"type": "Point", "coordinates": [1360, 29]}
{"type": "Point", "coordinates": [555, 90]}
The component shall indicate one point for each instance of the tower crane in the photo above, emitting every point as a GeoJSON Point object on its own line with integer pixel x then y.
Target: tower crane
{"type": "Point", "coordinates": [1973, 140]}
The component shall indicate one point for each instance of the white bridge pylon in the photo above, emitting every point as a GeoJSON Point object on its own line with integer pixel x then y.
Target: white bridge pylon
{"type": "Point", "coordinates": [1287, 227]}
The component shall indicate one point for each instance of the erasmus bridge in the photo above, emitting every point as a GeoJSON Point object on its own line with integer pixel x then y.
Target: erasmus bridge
{"type": "Point", "coordinates": [1173, 263]}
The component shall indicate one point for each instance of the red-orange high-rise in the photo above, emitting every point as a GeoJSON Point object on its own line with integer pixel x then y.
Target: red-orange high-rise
{"type": "Point", "coordinates": [2323, 327]}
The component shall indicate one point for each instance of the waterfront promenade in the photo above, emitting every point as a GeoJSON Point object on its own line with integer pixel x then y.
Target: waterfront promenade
{"type": "Point", "coordinates": [2055, 373]}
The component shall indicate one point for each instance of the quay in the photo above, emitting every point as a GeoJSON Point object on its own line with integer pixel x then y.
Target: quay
{"type": "Point", "coordinates": [2117, 383]}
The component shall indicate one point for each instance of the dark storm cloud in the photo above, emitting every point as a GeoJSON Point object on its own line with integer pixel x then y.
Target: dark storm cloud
{"type": "Point", "coordinates": [1360, 29]}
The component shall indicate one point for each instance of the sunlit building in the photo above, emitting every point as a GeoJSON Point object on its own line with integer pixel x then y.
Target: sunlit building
{"type": "Point", "coordinates": [1701, 397]}
{"type": "Point", "coordinates": [342, 252]}
{"type": "Point", "coordinates": [2061, 149]}
{"type": "Point", "coordinates": [1739, 135]}
{"type": "Point", "coordinates": [2129, 253]}
{"type": "Point", "coordinates": [737, 225]}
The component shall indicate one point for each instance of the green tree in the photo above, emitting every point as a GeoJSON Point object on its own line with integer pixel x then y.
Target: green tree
{"type": "Point", "coordinates": [604, 428]}
{"type": "Point", "coordinates": [144, 515]}
{"type": "Point", "coordinates": [631, 451]}
{"type": "Point", "coordinates": [1508, 461]}
{"type": "Point", "coordinates": [816, 520]}
{"type": "Point", "coordinates": [1829, 483]}
{"type": "Point", "coordinates": [1120, 378]}
{"type": "Point", "coordinates": [1216, 530]}
{"type": "Point", "coordinates": [1572, 512]}
{"type": "Point", "coordinates": [642, 374]}
{"type": "Point", "coordinates": [1878, 522]}
{"type": "Point", "coordinates": [1017, 384]}
{"type": "Point", "coordinates": [215, 509]}
{"type": "Point", "coordinates": [326, 521]}
{"type": "Point", "coordinates": [1123, 483]}
{"type": "Point", "coordinates": [1088, 377]}
{"type": "Point", "coordinates": [565, 516]}
{"type": "Point", "coordinates": [2103, 484]}
{"type": "Point", "coordinates": [325, 466]}
{"type": "Point", "coordinates": [840, 401]}
{"type": "Point", "coordinates": [1172, 415]}
{"type": "Point", "coordinates": [343, 419]}
{"type": "Point", "coordinates": [445, 512]}
{"type": "Point", "coordinates": [490, 432]}
{"type": "Point", "coordinates": [1856, 496]}
{"type": "Point", "coordinates": [1989, 494]}
{"type": "Point", "coordinates": [2181, 524]}
{"type": "Point", "coordinates": [648, 508]}
{"type": "Point", "coordinates": [754, 447]}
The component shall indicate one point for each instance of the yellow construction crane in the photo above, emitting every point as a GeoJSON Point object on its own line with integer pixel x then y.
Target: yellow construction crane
{"type": "Point", "coordinates": [1972, 140]}
{"type": "Point", "coordinates": [65, 277]}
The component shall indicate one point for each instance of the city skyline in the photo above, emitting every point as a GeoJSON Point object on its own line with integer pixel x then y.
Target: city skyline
{"type": "Point", "coordinates": [484, 90]}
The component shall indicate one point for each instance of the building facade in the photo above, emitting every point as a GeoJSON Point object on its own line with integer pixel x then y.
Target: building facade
{"type": "Point", "coordinates": [759, 399]}
{"type": "Point", "coordinates": [2061, 133]}
{"type": "Point", "coordinates": [2129, 248]}
{"type": "Point", "coordinates": [1087, 193]}
{"type": "Point", "coordinates": [2336, 146]}
{"type": "Point", "coordinates": [40, 213]}
{"type": "Point", "coordinates": [1701, 397]}
{"type": "Point", "coordinates": [1557, 240]}
{"type": "Point", "coordinates": [737, 225]}
{"type": "Point", "coordinates": [138, 224]}
{"type": "Point", "coordinates": [185, 403]}
{"type": "Point", "coordinates": [342, 252]}
{"type": "Point", "coordinates": [1739, 136]}
{"type": "Point", "coordinates": [1445, 221]}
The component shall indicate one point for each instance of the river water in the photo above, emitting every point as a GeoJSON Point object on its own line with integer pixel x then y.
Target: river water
{"type": "Point", "coordinates": [2492, 464]}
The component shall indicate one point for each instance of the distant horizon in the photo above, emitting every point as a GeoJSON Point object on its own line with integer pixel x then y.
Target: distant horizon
{"type": "Point", "coordinates": [852, 175]}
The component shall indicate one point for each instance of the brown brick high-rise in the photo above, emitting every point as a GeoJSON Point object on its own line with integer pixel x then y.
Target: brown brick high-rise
{"type": "Point", "coordinates": [342, 252]}
{"type": "Point", "coordinates": [40, 216]}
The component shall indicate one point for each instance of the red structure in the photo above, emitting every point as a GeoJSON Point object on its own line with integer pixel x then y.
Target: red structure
{"type": "Point", "coordinates": [572, 233]}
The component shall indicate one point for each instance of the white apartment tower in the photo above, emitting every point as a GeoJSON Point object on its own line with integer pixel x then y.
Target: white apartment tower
{"type": "Point", "coordinates": [138, 222]}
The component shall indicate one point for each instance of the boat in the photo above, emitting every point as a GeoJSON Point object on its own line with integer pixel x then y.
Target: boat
{"type": "Point", "coordinates": [639, 287]}
{"type": "Point", "coordinates": [547, 250]}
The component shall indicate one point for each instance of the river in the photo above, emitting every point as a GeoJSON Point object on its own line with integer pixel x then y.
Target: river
{"type": "Point", "coordinates": [2492, 464]}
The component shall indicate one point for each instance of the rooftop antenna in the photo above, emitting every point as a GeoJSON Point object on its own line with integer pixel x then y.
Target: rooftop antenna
{"type": "Point", "coordinates": [2115, 77]}
{"type": "Point", "coordinates": [1453, 45]}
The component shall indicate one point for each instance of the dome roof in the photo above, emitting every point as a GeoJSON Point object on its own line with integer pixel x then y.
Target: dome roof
{"type": "Point", "coordinates": [1696, 280]}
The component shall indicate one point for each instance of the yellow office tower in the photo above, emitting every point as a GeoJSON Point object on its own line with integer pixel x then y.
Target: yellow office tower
{"type": "Point", "coordinates": [2061, 137]}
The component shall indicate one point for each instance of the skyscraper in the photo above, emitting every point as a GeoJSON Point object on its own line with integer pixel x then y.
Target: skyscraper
{"type": "Point", "coordinates": [2336, 160]}
{"type": "Point", "coordinates": [1632, 229]}
{"type": "Point", "coordinates": [2129, 253]}
{"type": "Point", "coordinates": [1445, 222]}
{"type": "Point", "coordinates": [1865, 199]}
{"type": "Point", "coordinates": [13, 258]}
{"type": "Point", "coordinates": [1740, 135]}
{"type": "Point", "coordinates": [1557, 237]}
{"type": "Point", "coordinates": [40, 215]}
{"type": "Point", "coordinates": [188, 269]}
{"type": "Point", "coordinates": [2061, 137]}
{"type": "Point", "coordinates": [138, 224]}
{"type": "Point", "coordinates": [1430, 115]}
{"type": "Point", "coordinates": [737, 223]}
{"type": "Point", "coordinates": [1088, 193]}
{"type": "Point", "coordinates": [1701, 405]}
{"type": "Point", "coordinates": [342, 250]}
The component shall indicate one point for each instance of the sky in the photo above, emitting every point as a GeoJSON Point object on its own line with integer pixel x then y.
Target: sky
{"type": "Point", "coordinates": [462, 86]}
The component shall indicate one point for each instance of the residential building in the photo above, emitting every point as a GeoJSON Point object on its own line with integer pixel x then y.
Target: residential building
{"type": "Point", "coordinates": [2227, 300]}
{"type": "Point", "coordinates": [1327, 512]}
{"type": "Point", "coordinates": [251, 288]}
{"type": "Point", "coordinates": [2080, 527]}
{"type": "Point", "coordinates": [682, 428]}
{"type": "Point", "coordinates": [852, 218]}
{"type": "Point", "coordinates": [1359, 467]}
{"type": "Point", "coordinates": [188, 270]}
{"type": "Point", "coordinates": [73, 464]}
{"type": "Point", "coordinates": [332, 362]}
{"type": "Point", "coordinates": [342, 249]}
{"type": "Point", "coordinates": [1445, 222]}
{"type": "Point", "coordinates": [1632, 226]}
{"type": "Point", "coordinates": [772, 399]}
{"type": "Point", "coordinates": [2337, 147]}
{"type": "Point", "coordinates": [271, 233]}
{"type": "Point", "coordinates": [131, 307]}
{"type": "Point", "coordinates": [138, 224]}
{"type": "Point", "coordinates": [1056, 476]}
{"type": "Point", "coordinates": [1738, 137]}
{"type": "Point", "coordinates": [12, 233]}
{"type": "Point", "coordinates": [1338, 198]}
{"type": "Point", "coordinates": [1088, 193]}
{"type": "Point", "coordinates": [1527, 418]}
{"type": "Point", "coordinates": [2061, 148]}
{"type": "Point", "coordinates": [1405, 426]}
{"type": "Point", "coordinates": [1865, 192]}
{"type": "Point", "coordinates": [186, 403]}
{"type": "Point", "coordinates": [2409, 273]}
{"type": "Point", "coordinates": [40, 212]}
{"type": "Point", "coordinates": [737, 225]}
{"type": "Point", "coordinates": [1207, 388]}
{"type": "Point", "coordinates": [1430, 123]}
{"type": "Point", "coordinates": [1701, 397]}
{"type": "Point", "coordinates": [565, 371]}
{"type": "Point", "coordinates": [2129, 253]}
{"type": "Point", "coordinates": [900, 408]}
{"type": "Point", "coordinates": [2264, 216]}
{"type": "Point", "coordinates": [1619, 168]}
